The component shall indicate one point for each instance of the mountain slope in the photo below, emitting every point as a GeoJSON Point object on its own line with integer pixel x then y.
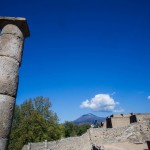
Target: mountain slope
{"type": "Point", "coordinates": [88, 119]}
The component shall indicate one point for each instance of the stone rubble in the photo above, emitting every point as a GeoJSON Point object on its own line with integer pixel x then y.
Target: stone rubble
{"type": "Point", "coordinates": [133, 133]}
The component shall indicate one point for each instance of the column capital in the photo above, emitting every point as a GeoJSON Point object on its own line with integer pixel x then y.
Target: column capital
{"type": "Point", "coordinates": [21, 23]}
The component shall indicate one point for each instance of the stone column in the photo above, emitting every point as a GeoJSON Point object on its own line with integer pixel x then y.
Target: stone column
{"type": "Point", "coordinates": [13, 33]}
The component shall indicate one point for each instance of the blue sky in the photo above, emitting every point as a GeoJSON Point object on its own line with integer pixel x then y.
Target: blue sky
{"type": "Point", "coordinates": [95, 50]}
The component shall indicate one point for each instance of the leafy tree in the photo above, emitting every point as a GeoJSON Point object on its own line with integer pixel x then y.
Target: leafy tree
{"type": "Point", "coordinates": [34, 121]}
{"type": "Point", "coordinates": [72, 129]}
{"type": "Point", "coordinates": [82, 129]}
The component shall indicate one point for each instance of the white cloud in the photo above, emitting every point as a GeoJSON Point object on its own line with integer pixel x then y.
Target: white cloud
{"type": "Point", "coordinates": [148, 97]}
{"type": "Point", "coordinates": [101, 102]}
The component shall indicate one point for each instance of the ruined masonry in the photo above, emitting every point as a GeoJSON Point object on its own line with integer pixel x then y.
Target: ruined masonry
{"type": "Point", "coordinates": [138, 132]}
{"type": "Point", "coordinates": [13, 33]}
{"type": "Point", "coordinates": [121, 120]}
{"type": "Point", "coordinates": [118, 128]}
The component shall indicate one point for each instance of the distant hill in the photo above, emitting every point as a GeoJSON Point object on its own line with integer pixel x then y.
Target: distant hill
{"type": "Point", "coordinates": [88, 119]}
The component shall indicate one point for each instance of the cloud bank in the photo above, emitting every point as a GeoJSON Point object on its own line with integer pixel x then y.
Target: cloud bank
{"type": "Point", "coordinates": [101, 102]}
{"type": "Point", "coordinates": [148, 97]}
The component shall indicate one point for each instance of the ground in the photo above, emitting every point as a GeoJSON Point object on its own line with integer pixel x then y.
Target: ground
{"type": "Point", "coordinates": [125, 146]}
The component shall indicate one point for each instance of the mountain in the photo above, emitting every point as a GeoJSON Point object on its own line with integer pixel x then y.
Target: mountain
{"type": "Point", "coordinates": [88, 119]}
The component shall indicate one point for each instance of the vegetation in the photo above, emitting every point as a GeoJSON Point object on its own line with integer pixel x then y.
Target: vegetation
{"type": "Point", "coordinates": [72, 129]}
{"type": "Point", "coordinates": [34, 121]}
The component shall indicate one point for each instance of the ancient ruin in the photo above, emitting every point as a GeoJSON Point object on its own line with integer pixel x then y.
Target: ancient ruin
{"type": "Point", "coordinates": [130, 128]}
{"type": "Point", "coordinates": [120, 129]}
{"type": "Point", "coordinates": [138, 117]}
{"type": "Point", "coordinates": [121, 120]}
{"type": "Point", "coordinates": [13, 33]}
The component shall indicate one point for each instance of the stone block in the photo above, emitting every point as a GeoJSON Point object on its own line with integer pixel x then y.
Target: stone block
{"type": "Point", "coordinates": [3, 144]}
{"type": "Point", "coordinates": [21, 23]}
{"type": "Point", "coordinates": [11, 46]}
{"type": "Point", "coordinates": [8, 76]}
{"type": "Point", "coordinates": [12, 29]}
{"type": "Point", "coordinates": [7, 104]}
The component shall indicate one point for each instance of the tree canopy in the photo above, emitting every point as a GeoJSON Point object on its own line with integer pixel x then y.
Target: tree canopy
{"type": "Point", "coordinates": [72, 129]}
{"type": "Point", "coordinates": [34, 121]}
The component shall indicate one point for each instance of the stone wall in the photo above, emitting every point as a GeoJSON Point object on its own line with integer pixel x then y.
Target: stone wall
{"type": "Point", "coordinates": [119, 120]}
{"type": "Point", "coordinates": [142, 117]}
{"type": "Point", "coordinates": [136, 132]}
{"type": "Point", "coordinates": [73, 143]}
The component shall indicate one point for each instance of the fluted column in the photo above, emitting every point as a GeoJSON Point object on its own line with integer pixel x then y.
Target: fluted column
{"type": "Point", "coordinates": [13, 33]}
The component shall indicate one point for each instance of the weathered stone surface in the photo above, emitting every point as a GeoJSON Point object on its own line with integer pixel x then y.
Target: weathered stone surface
{"type": "Point", "coordinates": [136, 132]}
{"type": "Point", "coordinates": [11, 46]}
{"type": "Point", "coordinates": [3, 144]}
{"type": "Point", "coordinates": [118, 120]}
{"type": "Point", "coordinates": [144, 117]}
{"type": "Point", "coordinates": [6, 111]}
{"type": "Point", "coordinates": [19, 22]}
{"type": "Point", "coordinates": [12, 29]}
{"type": "Point", "coordinates": [72, 143]}
{"type": "Point", "coordinates": [8, 76]}
{"type": "Point", "coordinates": [121, 120]}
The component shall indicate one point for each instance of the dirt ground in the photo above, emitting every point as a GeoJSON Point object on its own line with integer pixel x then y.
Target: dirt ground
{"type": "Point", "coordinates": [125, 146]}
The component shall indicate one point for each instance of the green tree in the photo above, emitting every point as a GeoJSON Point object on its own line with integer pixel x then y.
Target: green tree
{"type": "Point", "coordinates": [34, 121]}
{"type": "Point", "coordinates": [82, 129]}
{"type": "Point", "coordinates": [70, 129]}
